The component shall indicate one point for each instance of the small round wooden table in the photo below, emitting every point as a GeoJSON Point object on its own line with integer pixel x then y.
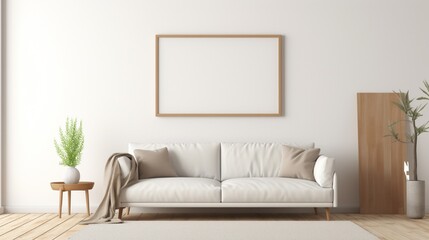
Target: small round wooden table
{"type": "Point", "coordinates": [81, 186]}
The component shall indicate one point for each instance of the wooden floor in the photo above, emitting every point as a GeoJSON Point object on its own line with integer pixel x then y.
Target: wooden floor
{"type": "Point", "coordinates": [49, 226]}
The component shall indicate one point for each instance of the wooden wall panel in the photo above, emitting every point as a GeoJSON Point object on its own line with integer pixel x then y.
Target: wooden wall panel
{"type": "Point", "coordinates": [381, 176]}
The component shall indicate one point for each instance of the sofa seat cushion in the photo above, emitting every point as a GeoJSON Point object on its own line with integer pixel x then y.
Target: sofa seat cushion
{"type": "Point", "coordinates": [274, 190]}
{"type": "Point", "coordinates": [173, 190]}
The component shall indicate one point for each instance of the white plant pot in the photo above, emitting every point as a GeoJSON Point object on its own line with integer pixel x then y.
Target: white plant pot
{"type": "Point", "coordinates": [71, 175]}
{"type": "Point", "coordinates": [415, 199]}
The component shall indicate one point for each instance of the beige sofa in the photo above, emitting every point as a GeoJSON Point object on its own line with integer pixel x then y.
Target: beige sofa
{"type": "Point", "coordinates": [230, 175]}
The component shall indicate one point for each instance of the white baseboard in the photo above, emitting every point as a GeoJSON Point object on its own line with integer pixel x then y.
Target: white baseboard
{"type": "Point", "coordinates": [47, 209]}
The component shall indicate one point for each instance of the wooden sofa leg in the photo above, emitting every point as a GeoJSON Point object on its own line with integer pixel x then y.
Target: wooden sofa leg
{"type": "Point", "coordinates": [128, 211]}
{"type": "Point", "coordinates": [315, 210]}
{"type": "Point", "coordinates": [328, 214]}
{"type": "Point", "coordinates": [120, 213]}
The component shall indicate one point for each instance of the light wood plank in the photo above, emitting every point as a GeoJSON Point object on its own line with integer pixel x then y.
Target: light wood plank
{"type": "Point", "coordinates": [10, 218]}
{"type": "Point", "coordinates": [62, 228]}
{"type": "Point", "coordinates": [17, 223]}
{"type": "Point", "coordinates": [28, 226]}
{"type": "Point", "coordinates": [45, 227]}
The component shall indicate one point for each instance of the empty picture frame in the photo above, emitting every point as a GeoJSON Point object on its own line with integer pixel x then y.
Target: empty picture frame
{"type": "Point", "coordinates": [218, 75]}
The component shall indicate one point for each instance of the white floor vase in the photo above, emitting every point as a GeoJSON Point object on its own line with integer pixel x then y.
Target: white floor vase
{"type": "Point", "coordinates": [415, 199]}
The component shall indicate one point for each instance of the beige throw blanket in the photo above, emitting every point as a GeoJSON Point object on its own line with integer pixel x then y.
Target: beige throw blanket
{"type": "Point", "coordinates": [114, 184]}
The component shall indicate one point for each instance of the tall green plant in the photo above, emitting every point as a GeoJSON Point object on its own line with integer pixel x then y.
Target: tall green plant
{"type": "Point", "coordinates": [412, 113]}
{"type": "Point", "coordinates": [71, 143]}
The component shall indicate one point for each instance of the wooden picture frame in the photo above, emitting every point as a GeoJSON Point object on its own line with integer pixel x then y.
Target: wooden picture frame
{"type": "Point", "coordinates": [218, 75]}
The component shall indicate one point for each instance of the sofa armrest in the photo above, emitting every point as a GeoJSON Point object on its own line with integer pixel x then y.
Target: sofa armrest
{"type": "Point", "coordinates": [125, 165]}
{"type": "Point", "coordinates": [335, 188]}
{"type": "Point", "coordinates": [324, 171]}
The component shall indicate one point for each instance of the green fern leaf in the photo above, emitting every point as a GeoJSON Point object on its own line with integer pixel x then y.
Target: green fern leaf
{"type": "Point", "coordinates": [71, 143]}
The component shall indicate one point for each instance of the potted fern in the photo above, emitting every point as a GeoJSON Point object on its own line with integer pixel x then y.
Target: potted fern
{"type": "Point", "coordinates": [415, 187]}
{"type": "Point", "coordinates": [69, 149]}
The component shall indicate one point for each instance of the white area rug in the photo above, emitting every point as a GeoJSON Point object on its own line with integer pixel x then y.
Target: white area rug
{"type": "Point", "coordinates": [225, 230]}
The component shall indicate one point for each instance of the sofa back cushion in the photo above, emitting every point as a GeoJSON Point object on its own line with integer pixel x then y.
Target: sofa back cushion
{"type": "Point", "coordinates": [240, 160]}
{"type": "Point", "coordinates": [189, 159]}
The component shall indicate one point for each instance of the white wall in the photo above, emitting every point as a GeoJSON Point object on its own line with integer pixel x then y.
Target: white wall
{"type": "Point", "coordinates": [95, 60]}
{"type": "Point", "coordinates": [1, 112]}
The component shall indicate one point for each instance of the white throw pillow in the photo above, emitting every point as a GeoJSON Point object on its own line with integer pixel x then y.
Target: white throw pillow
{"type": "Point", "coordinates": [324, 171]}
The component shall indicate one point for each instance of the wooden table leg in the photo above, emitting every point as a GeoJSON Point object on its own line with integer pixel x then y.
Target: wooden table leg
{"type": "Point", "coordinates": [69, 195]}
{"type": "Point", "coordinates": [61, 203]}
{"type": "Point", "coordinates": [87, 201]}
